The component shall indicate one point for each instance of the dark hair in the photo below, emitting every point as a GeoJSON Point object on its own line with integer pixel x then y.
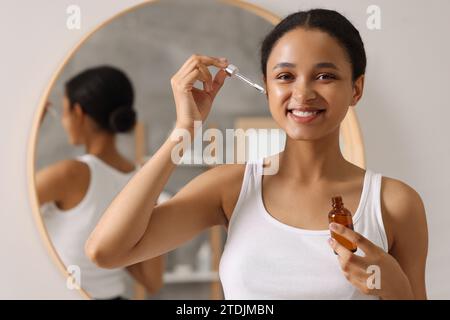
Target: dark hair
{"type": "Point", "coordinates": [106, 95]}
{"type": "Point", "coordinates": [329, 21]}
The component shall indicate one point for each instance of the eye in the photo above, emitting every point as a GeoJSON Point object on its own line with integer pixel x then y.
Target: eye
{"type": "Point", "coordinates": [326, 76]}
{"type": "Point", "coordinates": [284, 76]}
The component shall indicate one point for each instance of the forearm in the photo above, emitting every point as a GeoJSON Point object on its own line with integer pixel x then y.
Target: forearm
{"type": "Point", "coordinates": [126, 219]}
{"type": "Point", "coordinates": [149, 273]}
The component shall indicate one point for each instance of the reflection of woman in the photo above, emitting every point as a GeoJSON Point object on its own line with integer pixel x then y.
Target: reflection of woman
{"type": "Point", "coordinates": [98, 103]}
{"type": "Point", "coordinates": [313, 64]}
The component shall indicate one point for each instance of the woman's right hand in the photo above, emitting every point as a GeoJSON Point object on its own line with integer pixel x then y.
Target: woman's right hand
{"type": "Point", "coordinates": [193, 104]}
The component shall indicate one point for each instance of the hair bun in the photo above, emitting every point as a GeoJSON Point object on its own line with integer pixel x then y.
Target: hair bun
{"type": "Point", "coordinates": [122, 119]}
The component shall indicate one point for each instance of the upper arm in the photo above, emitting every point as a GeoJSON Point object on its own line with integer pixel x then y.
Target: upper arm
{"type": "Point", "coordinates": [196, 207]}
{"type": "Point", "coordinates": [54, 182]}
{"type": "Point", "coordinates": [407, 219]}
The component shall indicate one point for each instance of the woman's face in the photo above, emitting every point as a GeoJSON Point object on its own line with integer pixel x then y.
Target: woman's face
{"type": "Point", "coordinates": [309, 84]}
{"type": "Point", "coordinates": [71, 121]}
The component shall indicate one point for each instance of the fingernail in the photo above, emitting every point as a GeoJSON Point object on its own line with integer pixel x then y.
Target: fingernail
{"type": "Point", "coordinates": [330, 241]}
{"type": "Point", "coordinates": [333, 226]}
{"type": "Point", "coordinates": [224, 60]}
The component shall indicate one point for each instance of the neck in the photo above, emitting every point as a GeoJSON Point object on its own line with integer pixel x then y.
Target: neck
{"type": "Point", "coordinates": [101, 145]}
{"type": "Point", "coordinates": [311, 161]}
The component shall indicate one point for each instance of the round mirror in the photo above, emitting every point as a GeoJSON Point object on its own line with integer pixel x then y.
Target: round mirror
{"type": "Point", "coordinates": [110, 106]}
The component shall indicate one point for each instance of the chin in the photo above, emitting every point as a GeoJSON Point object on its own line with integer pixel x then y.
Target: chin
{"type": "Point", "coordinates": [303, 134]}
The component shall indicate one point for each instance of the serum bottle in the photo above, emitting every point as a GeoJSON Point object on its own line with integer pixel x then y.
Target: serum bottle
{"type": "Point", "coordinates": [340, 214]}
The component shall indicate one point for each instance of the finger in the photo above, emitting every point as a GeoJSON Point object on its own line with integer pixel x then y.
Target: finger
{"type": "Point", "coordinates": [188, 65]}
{"type": "Point", "coordinates": [360, 273]}
{"type": "Point", "coordinates": [359, 277]}
{"type": "Point", "coordinates": [213, 61]}
{"type": "Point", "coordinates": [339, 249]}
{"type": "Point", "coordinates": [352, 263]}
{"type": "Point", "coordinates": [353, 236]}
{"type": "Point", "coordinates": [195, 60]}
{"type": "Point", "coordinates": [198, 62]}
{"type": "Point", "coordinates": [218, 82]}
{"type": "Point", "coordinates": [360, 282]}
{"type": "Point", "coordinates": [349, 262]}
{"type": "Point", "coordinates": [188, 81]}
{"type": "Point", "coordinates": [207, 85]}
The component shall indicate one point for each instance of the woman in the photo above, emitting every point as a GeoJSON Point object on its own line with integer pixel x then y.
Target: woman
{"type": "Point", "coordinates": [98, 104]}
{"type": "Point", "coordinates": [278, 244]}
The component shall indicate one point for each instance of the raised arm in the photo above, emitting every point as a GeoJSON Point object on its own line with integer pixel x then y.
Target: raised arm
{"type": "Point", "coordinates": [133, 229]}
{"type": "Point", "coordinates": [149, 273]}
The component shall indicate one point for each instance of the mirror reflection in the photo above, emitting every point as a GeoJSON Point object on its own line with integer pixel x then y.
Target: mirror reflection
{"type": "Point", "coordinates": [111, 107]}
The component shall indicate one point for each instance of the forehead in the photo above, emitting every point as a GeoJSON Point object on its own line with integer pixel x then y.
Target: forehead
{"type": "Point", "coordinates": [308, 47]}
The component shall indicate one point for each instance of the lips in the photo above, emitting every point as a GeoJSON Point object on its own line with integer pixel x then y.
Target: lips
{"type": "Point", "coordinates": [304, 108]}
{"type": "Point", "coordinates": [305, 115]}
{"type": "Point", "coordinates": [301, 113]}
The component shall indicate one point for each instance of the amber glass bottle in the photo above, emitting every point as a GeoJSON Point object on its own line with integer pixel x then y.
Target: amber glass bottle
{"type": "Point", "coordinates": [339, 214]}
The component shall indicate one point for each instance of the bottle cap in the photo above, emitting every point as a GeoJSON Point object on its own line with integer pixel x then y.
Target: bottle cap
{"type": "Point", "coordinates": [336, 201]}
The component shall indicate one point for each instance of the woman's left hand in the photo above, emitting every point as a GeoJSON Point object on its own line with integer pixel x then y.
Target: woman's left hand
{"type": "Point", "coordinates": [377, 273]}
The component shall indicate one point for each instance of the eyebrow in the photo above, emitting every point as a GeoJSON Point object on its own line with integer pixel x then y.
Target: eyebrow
{"type": "Point", "coordinates": [316, 66]}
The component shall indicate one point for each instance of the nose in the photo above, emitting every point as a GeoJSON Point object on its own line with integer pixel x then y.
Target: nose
{"type": "Point", "coordinates": [302, 92]}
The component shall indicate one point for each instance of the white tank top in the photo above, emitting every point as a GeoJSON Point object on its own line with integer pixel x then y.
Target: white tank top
{"type": "Point", "coordinates": [264, 258]}
{"type": "Point", "coordinates": [70, 229]}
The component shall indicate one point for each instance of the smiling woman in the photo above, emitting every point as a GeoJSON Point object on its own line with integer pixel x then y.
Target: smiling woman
{"type": "Point", "coordinates": [94, 109]}
{"type": "Point", "coordinates": [313, 64]}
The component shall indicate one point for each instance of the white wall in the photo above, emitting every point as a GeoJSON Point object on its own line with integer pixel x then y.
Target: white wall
{"type": "Point", "coordinates": [403, 117]}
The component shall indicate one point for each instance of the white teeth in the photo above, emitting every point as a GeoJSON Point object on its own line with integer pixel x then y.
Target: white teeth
{"type": "Point", "coordinates": [299, 113]}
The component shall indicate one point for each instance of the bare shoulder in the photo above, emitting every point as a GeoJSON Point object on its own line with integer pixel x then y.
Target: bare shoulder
{"type": "Point", "coordinates": [67, 178]}
{"type": "Point", "coordinates": [72, 167]}
{"type": "Point", "coordinates": [403, 209]}
{"type": "Point", "coordinates": [66, 169]}
{"type": "Point", "coordinates": [406, 221]}
{"type": "Point", "coordinates": [229, 172]}
{"type": "Point", "coordinates": [399, 198]}
{"type": "Point", "coordinates": [229, 179]}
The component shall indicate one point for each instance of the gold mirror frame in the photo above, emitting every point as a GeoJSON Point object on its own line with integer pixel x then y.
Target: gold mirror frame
{"type": "Point", "coordinates": [350, 130]}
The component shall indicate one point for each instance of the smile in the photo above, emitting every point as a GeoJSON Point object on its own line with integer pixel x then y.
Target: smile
{"type": "Point", "coordinates": [304, 116]}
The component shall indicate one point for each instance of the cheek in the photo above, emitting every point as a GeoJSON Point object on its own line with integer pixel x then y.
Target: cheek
{"type": "Point", "coordinates": [69, 127]}
{"type": "Point", "coordinates": [66, 123]}
{"type": "Point", "coordinates": [277, 90]}
{"type": "Point", "coordinates": [337, 97]}
{"type": "Point", "coordinates": [278, 97]}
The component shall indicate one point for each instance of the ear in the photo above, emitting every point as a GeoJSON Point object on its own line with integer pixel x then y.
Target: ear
{"type": "Point", "coordinates": [358, 88]}
{"type": "Point", "coordinates": [78, 113]}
